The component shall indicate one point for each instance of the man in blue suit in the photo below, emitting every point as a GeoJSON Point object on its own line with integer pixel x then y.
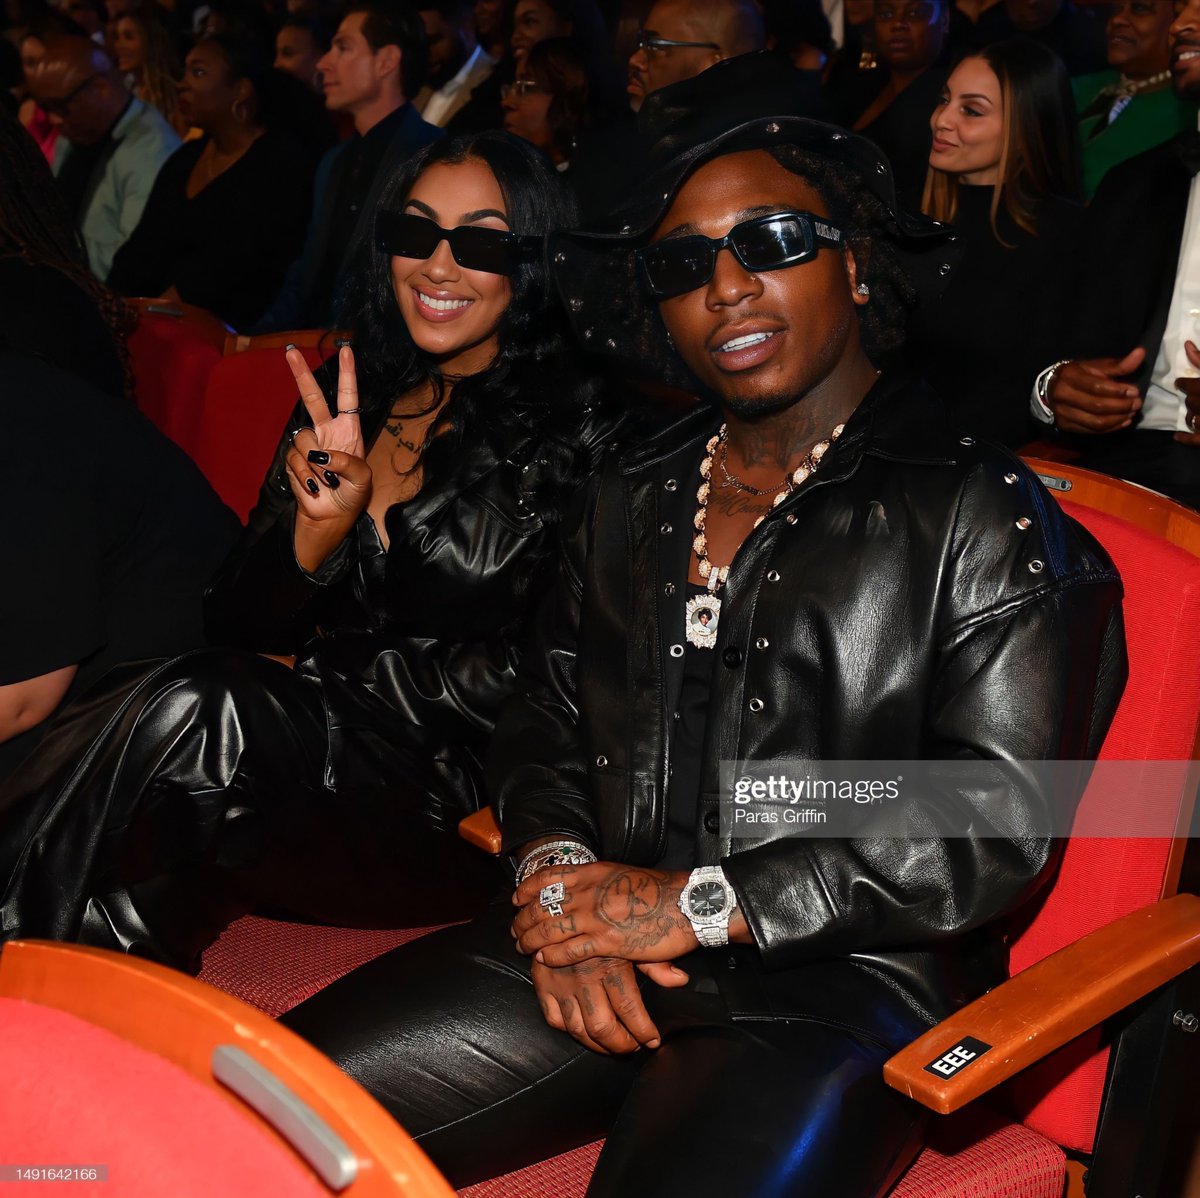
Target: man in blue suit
{"type": "Point", "coordinates": [378, 59]}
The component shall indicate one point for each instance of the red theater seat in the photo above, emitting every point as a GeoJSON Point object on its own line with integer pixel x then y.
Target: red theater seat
{"type": "Point", "coordinates": [179, 1090]}
{"type": "Point", "coordinates": [1102, 1092]}
{"type": "Point", "coordinates": [248, 396]}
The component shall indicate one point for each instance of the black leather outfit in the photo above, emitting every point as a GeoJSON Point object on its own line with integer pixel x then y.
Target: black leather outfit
{"type": "Point", "coordinates": [890, 608]}
{"type": "Point", "coordinates": [174, 798]}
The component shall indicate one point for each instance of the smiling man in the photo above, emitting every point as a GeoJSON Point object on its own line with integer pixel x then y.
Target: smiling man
{"type": "Point", "coordinates": [720, 1004]}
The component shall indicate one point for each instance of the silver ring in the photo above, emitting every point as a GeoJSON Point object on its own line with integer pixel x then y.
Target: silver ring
{"type": "Point", "coordinates": [552, 895]}
{"type": "Point", "coordinates": [1190, 421]}
{"type": "Point", "coordinates": [348, 411]}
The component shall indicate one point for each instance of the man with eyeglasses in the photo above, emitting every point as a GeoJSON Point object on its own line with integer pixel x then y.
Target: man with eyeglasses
{"type": "Point", "coordinates": [719, 999]}
{"type": "Point", "coordinates": [117, 144]}
{"type": "Point", "coordinates": [681, 38]}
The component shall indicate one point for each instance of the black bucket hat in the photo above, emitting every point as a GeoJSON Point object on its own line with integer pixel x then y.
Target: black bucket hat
{"type": "Point", "coordinates": [739, 104]}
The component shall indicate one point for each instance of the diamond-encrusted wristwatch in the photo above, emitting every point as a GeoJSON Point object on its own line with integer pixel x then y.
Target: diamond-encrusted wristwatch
{"type": "Point", "coordinates": [708, 901]}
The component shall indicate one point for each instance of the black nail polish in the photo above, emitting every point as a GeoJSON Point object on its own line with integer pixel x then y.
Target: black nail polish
{"type": "Point", "coordinates": [332, 479]}
{"type": "Point", "coordinates": [311, 484]}
{"type": "Point", "coordinates": [318, 457]}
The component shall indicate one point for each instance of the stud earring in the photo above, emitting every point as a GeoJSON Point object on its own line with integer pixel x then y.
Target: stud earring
{"type": "Point", "coordinates": [863, 289]}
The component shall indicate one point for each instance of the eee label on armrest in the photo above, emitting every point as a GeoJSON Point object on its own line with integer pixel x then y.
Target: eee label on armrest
{"type": "Point", "coordinates": [958, 1058]}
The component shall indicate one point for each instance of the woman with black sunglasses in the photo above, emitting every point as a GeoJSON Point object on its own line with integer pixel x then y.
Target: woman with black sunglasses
{"type": "Point", "coordinates": [401, 544]}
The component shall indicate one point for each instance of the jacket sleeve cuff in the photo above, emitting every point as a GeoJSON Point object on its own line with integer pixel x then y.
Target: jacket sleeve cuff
{"type": "Point", "coordinates": [780, 894]}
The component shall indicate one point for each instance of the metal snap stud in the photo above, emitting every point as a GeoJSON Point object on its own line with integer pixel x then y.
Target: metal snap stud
{"type": "Point", "coordinates": [1036, 566]}
{"type": "Point", "coordinates": [944, 269]}
{"type": "Point", "coordinates": [676, 650]}
{"type": "Point", "coordinates": [772, 126]}
{"type": "Point", "coordinates": [1010, 478]}
{"type": "Point", "coordinates": [756, 705]}
{"type": "Point", "coordinates": [1023, 522]}
{"type": "Point", "coordinates": [791, 517]}
{"type": "Point", "coordinates": [601, 761]}
{"type": "Point", "coordinates": [761, 642]}
{"type": "Point", "coordinates": [670, 485]}
{"type": "Point", "coordinates": [967, 441]}
{"type": "Point", "coordinates": [772, 575]}
{"type": "Point", "coordinates": [665, 530]}
{"type": "Point", "coordinates": [560, 257]}
{"type": "Point", "coordinates": [669, 589]}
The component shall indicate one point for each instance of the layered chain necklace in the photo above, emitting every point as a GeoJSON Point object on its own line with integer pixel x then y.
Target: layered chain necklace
{"type": "Point", "coordinates": [1123, 91]}
{"type": "Point", "coordinates": [703, 612]}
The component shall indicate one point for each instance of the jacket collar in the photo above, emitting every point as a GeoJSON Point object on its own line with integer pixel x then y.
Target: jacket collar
{"type": "Point", "coordinates": [900, 418]}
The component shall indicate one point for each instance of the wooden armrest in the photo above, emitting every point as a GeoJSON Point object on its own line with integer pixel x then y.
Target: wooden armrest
{"type": "Point", "coordinates": [480, 829]}
{"type": "Point", "coordinates": [237, 343]}
{"type": "Point", "coordinates": [1046, 1005]}
{"type": "Point", "coordinates": [205, 324]}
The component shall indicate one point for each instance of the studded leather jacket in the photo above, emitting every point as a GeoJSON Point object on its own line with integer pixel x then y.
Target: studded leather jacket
{"type": "Point", "coordinates": [921, 596]}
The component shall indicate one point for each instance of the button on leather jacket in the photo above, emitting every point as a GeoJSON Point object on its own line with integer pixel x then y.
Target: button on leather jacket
{"type": "Point", "coordinates": [896, 606]}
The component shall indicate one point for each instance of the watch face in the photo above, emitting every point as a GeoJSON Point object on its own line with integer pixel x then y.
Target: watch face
{"type": "Point", "coordinates": [707, 898]}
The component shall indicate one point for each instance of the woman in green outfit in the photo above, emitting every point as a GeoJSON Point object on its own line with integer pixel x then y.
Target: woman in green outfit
{"type": "Point", "coordinates": [1131, 106]}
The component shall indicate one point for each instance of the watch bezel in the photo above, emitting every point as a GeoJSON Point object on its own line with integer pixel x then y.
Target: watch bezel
{"type": "Point", "coordinates": [721, 918]}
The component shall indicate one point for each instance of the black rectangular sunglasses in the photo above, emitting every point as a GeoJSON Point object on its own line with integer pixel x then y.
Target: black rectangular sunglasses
{"type": "Point", "coordinates": [496, 251]}
{"type": "Point", "coordinates": [678, 265]}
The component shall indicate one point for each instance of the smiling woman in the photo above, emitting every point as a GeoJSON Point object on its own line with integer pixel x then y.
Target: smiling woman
{"type": "Point", "coordinates": [403, 540]}
{"type": "Point", "coordinates": [1004, 168]}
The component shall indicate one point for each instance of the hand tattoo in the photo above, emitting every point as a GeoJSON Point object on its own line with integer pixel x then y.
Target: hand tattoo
{"type": "Point", "coordinates": [634, 903]}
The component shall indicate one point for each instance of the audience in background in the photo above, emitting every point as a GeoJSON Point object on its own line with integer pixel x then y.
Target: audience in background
{"type": "Point", "coordinates": [145, 52]}
{"type": "Point", "coordinates": [228, 211]}
{"type": "Point", "coordinates": [31, 40]}
{"type": "Point", "coordinates": [1129, 398]}
{"type": "Point", "coordinates": [90, 15]}
{"type": "Point", "coordinates": [117, 144]}
{"type": "Point", "coordinates": [299, 45]}
{"type": "Point", "coordinates": [489, 27]}
{"type": "Point", "coordinates": [458, 65]}
{"type": "Point", "coordinates": [1076, 35]}
{"type": "Point", "coordinates": [681, 38]}
{"type": "Point", "coordinates": [377, 62]}
{"type": "Point", "coordinates": [547, 104]}
{"type": "Point", "coordinates": [1004, 170]}
{"type": "Point", "coordinates": [1131, 106]}
{"type": "Point", "coordinates": [910, 39]}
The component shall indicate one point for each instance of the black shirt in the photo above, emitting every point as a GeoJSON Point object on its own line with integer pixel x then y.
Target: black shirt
{"type": "Point", "coordinates": [228, 247]}
{"type": "Point", "coordinates": [1004, 316]}
{"type": "Point", "coordinates": [107, 558]}
{"type": "Point", "coordinates": [690, 722]}
{"type": "Point", "coordinates": [354, 175]}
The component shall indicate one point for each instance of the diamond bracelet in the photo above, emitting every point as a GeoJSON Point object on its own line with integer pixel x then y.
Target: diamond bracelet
{"type": "Point", "coordinates": [557, 852]}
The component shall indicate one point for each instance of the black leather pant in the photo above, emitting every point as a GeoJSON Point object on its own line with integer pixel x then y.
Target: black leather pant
{"type": "Point", "coordinates": [179, 796]}
{"type": "Point", "coordinates": [446, 1032]}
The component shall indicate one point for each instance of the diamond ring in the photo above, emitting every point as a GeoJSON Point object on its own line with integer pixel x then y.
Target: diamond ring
{"type": "Point", "coordinates": [552, 897]}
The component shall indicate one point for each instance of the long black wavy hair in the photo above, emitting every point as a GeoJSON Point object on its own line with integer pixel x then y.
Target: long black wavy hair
{"type": "Point", "coordinates": [533, 383]}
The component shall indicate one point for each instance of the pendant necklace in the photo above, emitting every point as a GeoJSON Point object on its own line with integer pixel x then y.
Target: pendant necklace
{"type": "Point", "coordinates": [702, 613]}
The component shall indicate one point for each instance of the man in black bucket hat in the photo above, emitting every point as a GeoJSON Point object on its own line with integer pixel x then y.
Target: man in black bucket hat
{"type": "Point", "coordinates": [718, 1001]}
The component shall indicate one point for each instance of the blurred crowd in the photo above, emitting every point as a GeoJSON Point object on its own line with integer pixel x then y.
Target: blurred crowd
{"type": "Point", "coordinates": [230, 154]}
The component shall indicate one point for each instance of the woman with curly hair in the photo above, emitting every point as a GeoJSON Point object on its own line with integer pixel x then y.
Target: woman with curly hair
{"type": "Point", "coordinates": [403, 541]}
{"type": "Point", "coordinates": [45, 282]}
{"type": "Point", "coordinates": [145, 51]}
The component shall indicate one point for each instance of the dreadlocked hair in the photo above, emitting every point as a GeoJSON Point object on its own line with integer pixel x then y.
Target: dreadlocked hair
{"type": "Point", "coordinates": [35, 226]}
{"type": "Point", "coordinates": [870, 233]}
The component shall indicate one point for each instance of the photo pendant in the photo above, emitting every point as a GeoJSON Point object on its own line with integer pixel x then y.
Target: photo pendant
{"type": "Point", "coordinates": [700, 618]}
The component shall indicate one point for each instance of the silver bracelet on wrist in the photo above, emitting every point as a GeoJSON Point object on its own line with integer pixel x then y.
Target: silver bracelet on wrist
{"type": "Point", "coordinates": [1041, 388]}
{"type": "Point", "coordinates": [557, 852]}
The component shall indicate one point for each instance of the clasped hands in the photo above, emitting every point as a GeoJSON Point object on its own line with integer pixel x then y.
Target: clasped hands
{"type": "Point", "coordinates": [1087, 395]}
{"type": "Point", "coordinates": [614, 918]}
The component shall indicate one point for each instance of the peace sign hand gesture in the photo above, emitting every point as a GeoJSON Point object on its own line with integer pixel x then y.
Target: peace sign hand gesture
{"type": "Point", "coordinates": [326, 466]}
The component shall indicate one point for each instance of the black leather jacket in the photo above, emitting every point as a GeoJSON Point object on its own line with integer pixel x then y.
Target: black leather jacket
{"type": "Point", "coordinates": [890, 608]}
{"type": "Point", "coordinates": [417, 643]}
